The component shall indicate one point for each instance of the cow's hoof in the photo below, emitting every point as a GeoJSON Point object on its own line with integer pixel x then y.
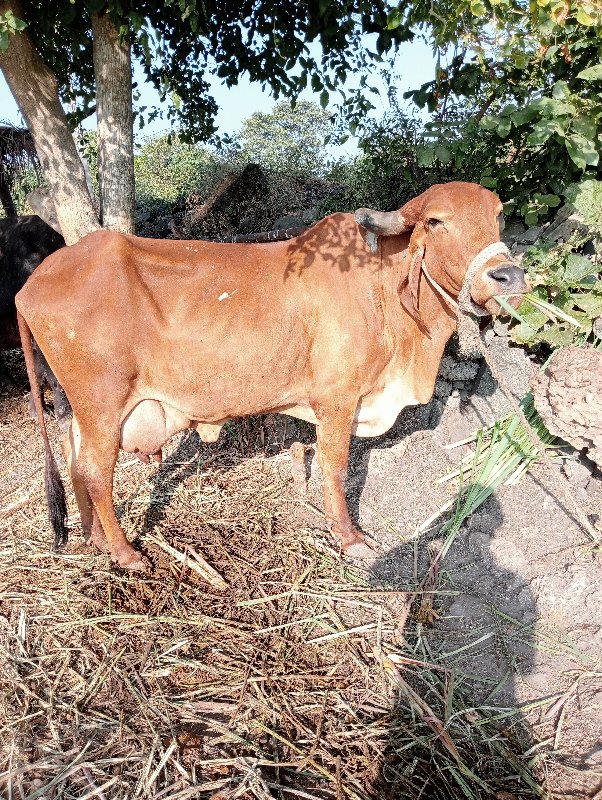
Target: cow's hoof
{"type": "Point", "coordinates": [130, 559]}
{"type": "Point", "coordinates": [99, 540]}
{"type": "Point", "coordinates": [359, 551]}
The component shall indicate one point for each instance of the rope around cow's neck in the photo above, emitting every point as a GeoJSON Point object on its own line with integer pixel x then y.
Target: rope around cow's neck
{"type": "Point", "coordinates": [470, 339]}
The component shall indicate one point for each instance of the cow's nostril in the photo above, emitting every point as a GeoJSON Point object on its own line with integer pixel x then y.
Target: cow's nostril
{"type": "Point", "coordinates": [500, 275]}
{"type": "Point", "coordinates": [506, 274]}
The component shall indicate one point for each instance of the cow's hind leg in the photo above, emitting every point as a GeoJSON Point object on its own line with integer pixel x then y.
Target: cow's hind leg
{"type": "Point", "coordinates": [96, 461]}
{"type": "Point", "coordinates": [334, 434]}
{"type": "Point", "coordinates": [91, 526]}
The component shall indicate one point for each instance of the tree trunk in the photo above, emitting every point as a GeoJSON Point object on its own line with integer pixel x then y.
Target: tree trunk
{"type": "Point", "coordinates": [34, 87]}
{"type": "Point", "coordinates": [113, 73]}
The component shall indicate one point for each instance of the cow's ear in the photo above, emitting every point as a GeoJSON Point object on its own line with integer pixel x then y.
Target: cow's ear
{"type": "Point", "coordinates": [409, 288]}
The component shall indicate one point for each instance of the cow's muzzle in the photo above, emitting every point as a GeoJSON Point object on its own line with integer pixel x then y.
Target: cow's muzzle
{"type": "Point", "coordinates": [509, 278]}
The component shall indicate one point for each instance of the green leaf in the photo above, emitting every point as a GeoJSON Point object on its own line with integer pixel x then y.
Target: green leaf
{"type": "Point", "coordinates": [394, 19]}
{"type": "Point", "coordinates": [561, 91]}
{"type": "Point", "coordinates": [556, 336]}
{"type": "Point", "coordinates": [324, 98]}
{"type": "Point", "coordinates": [542, 132]}
{"type": "Point", "coordinates": [582, 151]}
{"type": "Point", "coordinates": [524, 115]}
{"type": "Point", "coordinates": [591, 73]}
{"type": "Point", "coordinates": [586, 126]}
{"type": "Point", "coordinates": [584, 18]}
{"type": "Point", "coordinates": [550, 200]}
{"type": "Point", "coordinates": [425, 156]}
{"type": "Point", "coordinates": [3, 41]}
{"type": "Point", "coordinates": [590, 303]}
{"type": "Point", "coordinates": [552, 107]}
{"type": "Point", "coordinates": [490, 122]}
{"type": "Point", "coordinates": [503, 127]}
{"type": "Point", "coordinates": [577, 267]}
{"type": "Point", "coordinates": [534, 318]}
{"type": "Point", "coordinates": [443, 154]}
{"type": "Point", "coordinates": [488, 182]}
{"type": "Point", "coordinates": [477, 8]}
{"type": "Point", "coordinates": [519, 59]}
{"type": "Point", "coordinates": [523, 333]}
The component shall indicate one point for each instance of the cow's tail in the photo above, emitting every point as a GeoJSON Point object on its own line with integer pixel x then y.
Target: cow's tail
{"type": "Point", "coordinates": [55, 491]}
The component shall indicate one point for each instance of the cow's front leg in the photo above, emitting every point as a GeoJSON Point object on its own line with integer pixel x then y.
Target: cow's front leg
{"type": "Point", "coordinates": [334, 434]}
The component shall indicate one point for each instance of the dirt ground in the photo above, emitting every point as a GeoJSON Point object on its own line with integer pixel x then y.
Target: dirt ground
{"type": "Point", "coordinates": [517, 602]}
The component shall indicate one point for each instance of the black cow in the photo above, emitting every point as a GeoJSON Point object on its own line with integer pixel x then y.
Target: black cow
{"type": "Point", "coordinates": [24, 244]}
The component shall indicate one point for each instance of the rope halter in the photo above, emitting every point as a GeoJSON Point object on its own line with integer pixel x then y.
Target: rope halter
{"type": "Point", "coordinates": [464, 305]}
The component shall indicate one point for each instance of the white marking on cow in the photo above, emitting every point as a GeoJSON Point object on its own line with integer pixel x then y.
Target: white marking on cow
{"type": "Point", "coordinates": [226, 296]}
{"type": "Point", "coordinates": [377, 411]}
{"type": "Point", "coordinates": [71, 333]}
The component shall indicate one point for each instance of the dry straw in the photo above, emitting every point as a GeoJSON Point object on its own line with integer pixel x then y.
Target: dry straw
{"type": "Point", "coordinates": [249, 662]}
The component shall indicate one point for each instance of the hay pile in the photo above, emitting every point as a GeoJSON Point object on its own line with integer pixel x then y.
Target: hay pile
{"type": "Point", "coordinates": [299, 680]}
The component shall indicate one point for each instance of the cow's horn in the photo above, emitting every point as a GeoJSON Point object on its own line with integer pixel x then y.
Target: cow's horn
{"type": "Point", "coordinates": [381, 223]}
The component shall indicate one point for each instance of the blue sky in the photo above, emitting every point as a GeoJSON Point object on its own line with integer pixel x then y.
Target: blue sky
{"type": "Point", "coordinates": [414, 65]}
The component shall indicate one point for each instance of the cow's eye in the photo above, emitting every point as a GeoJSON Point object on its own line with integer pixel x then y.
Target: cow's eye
{"type": "Point", "coordinates": [432, 222]}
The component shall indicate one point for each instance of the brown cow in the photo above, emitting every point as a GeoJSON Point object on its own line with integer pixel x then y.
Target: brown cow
{"type": "Point", "coordinates": [342, 326]}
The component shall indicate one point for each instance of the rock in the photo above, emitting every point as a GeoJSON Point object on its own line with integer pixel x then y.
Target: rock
{"type": "Point", "coordinates": [501, 327]}
{"type": "Point", "coordinates": [513, 232]}
{"type": "Point", "coordinates": [457, 370]}
{"type": "Point", "coordinates": [532, 235]}
{"type": "Point", "coordinates": [518, 251]}
{"type": "Point", "coordinates": [566, 222]}
{"type": "Point", "coordinates": [567, 397]}
{"type": "Point", "coordinates": [578, 473]}
{"type": "Point", "coordinates": [443, 388]}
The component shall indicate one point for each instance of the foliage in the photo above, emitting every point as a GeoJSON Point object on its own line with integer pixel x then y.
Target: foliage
{"type": "Point", "coordinates": [565, 278]}
{"type": "Point", "coordinates": [168, 169]}
{"type": "Point", "coordinates": [179, 43]}
{"type": "Point", "coordinates": [23, 184]}
{"type": "Point", "coordinates": [388, 170]}
{"type": "Point", "coordinates": [571, 283]}
{"type": "Point", "coordinates": [288, 140]}
{"type": "Point", "coordinates": [9, 24]}
{"type": "Point", "coordinates": [528, 75]}
{"type": "Point", "coordinates": [586, 198]}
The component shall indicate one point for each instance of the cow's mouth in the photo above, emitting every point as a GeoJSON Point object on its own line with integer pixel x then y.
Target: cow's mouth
{"type": "Point", "coordinates": [506, 281]}
{"type": "Point", "coordinates": [495, 309]}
